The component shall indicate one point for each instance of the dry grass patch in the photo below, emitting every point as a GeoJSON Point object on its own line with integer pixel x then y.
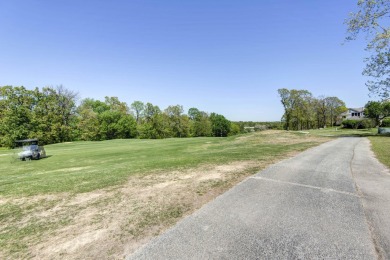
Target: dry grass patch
{"type": "Point", "coordinates": [112, 223]}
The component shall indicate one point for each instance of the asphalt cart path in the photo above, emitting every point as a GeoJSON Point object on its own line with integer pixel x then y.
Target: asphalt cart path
{"type": "Point", "coordinates": [329, 202]}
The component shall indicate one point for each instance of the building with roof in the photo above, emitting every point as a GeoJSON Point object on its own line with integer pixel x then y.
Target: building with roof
{"type": "Point", "coordinates": [353, 113]}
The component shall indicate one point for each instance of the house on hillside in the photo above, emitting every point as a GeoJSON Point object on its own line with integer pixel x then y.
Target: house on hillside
{"type": "Point", "coordinates": [353, 113]}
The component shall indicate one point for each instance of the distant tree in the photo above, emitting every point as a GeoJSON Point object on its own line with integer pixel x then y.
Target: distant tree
{"type": "Point", "coordinates": [200, 124]}
{"type": "Point", "coordinates": [116, 105]}
{"type": "Point", "coordinates": [296, 107]}
{"type": "Point", "coordinates": [179, 123]}
{"type": "Point", "coordinates": [377, 110]}
{"type": "Point", "coordinates": [234, 129]}
{"type": "Point", "coordinates": [88, 124]}
{"type": "Point", "coordinates": [126, 127]}
{"type": "Point", "coordinates": [50, 114]}
{"type": "Point", "coordinates": [335, 107]}
{"type": "Point", "coordinates": [65, 113]}
{"type": "Point", "coordinates": [194, 113]}
{"type": "Point", "coordinates": [96, 105]}
{"type": "Point", "coordinates": [151, 111]}
{"type": "Point", "coordinates": [287, 103]}
{"type": "Point", "coordinates": [138, 108]}
{"type": "Point", "coordinates": [110, 119]}
{"type": "Point", "coordinates": [220, 125]}
{"type": "Point", "coordinates": [155, 124]}
{"type": "Point", "coordinates": [372, 19]}
{"type": "Point", "coordinates": [303, 111]}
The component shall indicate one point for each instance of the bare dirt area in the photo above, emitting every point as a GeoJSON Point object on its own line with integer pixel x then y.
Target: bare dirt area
{"type": "Point", "coordinates": [113, 223]}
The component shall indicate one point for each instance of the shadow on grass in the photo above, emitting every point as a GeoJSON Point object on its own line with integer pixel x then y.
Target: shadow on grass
{"type": "Point", "coordinates": [356, 135]}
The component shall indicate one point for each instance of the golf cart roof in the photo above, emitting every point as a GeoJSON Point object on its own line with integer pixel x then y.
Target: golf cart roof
{"type": "Point", "coordinates": [26, 141]}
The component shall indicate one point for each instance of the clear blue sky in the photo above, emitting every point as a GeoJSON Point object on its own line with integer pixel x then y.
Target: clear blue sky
{"type": "Point", "coordinates": [222, 56]}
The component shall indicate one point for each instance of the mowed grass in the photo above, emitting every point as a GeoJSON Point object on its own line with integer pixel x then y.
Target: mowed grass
{"type": "Point", "coordinates": [381, 148]}
{"type": "Point", "coordinates": [85, 166]}
{"type": "Point", "coordinates": [99, 199]}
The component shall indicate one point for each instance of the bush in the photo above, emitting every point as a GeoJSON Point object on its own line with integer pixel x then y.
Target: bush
{"type": "Point", "coordinates": [261, 127]}
{"type": "Point", "coordinates": [357, 124]}
{"type": "Point", "coordinates": [234, 129]}
{"type": "Point", "coordinates": [349, 123]}
{"type": "Point", "coordinates": [366, 124]}
{"type": "Point", "coordinates": [386, 122]}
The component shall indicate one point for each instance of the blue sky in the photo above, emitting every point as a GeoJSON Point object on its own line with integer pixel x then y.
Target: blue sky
{"type": "Point", "coordinates": [222, 56]}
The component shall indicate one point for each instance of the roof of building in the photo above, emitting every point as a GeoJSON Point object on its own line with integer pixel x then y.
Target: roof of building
{"type": "Point", "coordinates": [359, 109]}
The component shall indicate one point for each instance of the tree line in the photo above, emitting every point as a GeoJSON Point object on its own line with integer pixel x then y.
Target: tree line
{"type": "Point", "coordinates": [303, 111]}
{"type": "Point", "coordinates": [52, 115]}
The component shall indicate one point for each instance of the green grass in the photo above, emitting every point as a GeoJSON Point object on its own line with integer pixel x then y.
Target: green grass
{"type": "Point", "coordinates": [85, 166]}
{"type": "Point", "coordinates": [381, 148]}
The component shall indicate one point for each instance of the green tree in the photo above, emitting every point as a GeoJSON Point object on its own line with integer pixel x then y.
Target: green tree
{"type": "Point", "coordinates": [377, 110]}
{"type": "Point", "coordinates": [16, 105]}
{"type": "Point", "coordinates": [220, 125]}
{"type": "Point", "coordinates": [155, 124]}
{"type": "Point", "coordinates": [296, 105]}
{"type": "Point", "coordinates": [138, 108]}
{"type": "Point", "coordinates": [151, 111]}
{"type": "Point", "coordinates": [194, 113]}
{"type": "Point", "coordinates": [372, 20]}
{"type": "Point", "coordinates": [116, 105]}
{"type": "Point", "coordinates": [200, 124]}
{"type": "Point", "coordinates": [88, 124]}
{"type": "Point", "coordinates": [234, 129]}
{"type": "Point", "coordinates": [287, 103]}
{"type": "Point", "coordinates": [303, 111]}
{"type": "Point", "coordinates": [105, 120]}
{"type": "Point", "coordinates": [335, 107]}
{"type": "Point", "coordinates": [179, 123]}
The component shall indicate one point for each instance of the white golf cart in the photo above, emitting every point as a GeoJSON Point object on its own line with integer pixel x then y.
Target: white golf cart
{"type": "Point", "coordinates": [30, 150]}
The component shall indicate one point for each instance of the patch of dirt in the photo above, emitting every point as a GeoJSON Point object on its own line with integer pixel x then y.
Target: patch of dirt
{"type": "Point", "coordinates": [83, 198]}
{"type": "Point", "coordinates": [110, 224]}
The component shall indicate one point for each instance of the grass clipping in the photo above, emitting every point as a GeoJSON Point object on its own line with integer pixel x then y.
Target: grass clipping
{"type": "Point", "coordinates": [113, 222]}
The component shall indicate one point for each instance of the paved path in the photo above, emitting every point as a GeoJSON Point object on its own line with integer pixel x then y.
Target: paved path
{"type": "Point", "coordinates": [332, 201]}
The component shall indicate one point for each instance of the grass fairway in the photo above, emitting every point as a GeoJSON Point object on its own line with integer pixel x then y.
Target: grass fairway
{"type": "Point", "coordinates": [105, 199]}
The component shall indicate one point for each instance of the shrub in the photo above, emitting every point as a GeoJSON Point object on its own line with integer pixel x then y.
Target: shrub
{"type": "Point", "coordinates": [261, 127]}
{"type": "Point", "coordinates": [366, 124]}
{"type": "Point", "coordinates": [386, 122]}
{"type": "Point", "coordinates": [350, 123]}
{"type": "Point", "coordinates": [357, 124]}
